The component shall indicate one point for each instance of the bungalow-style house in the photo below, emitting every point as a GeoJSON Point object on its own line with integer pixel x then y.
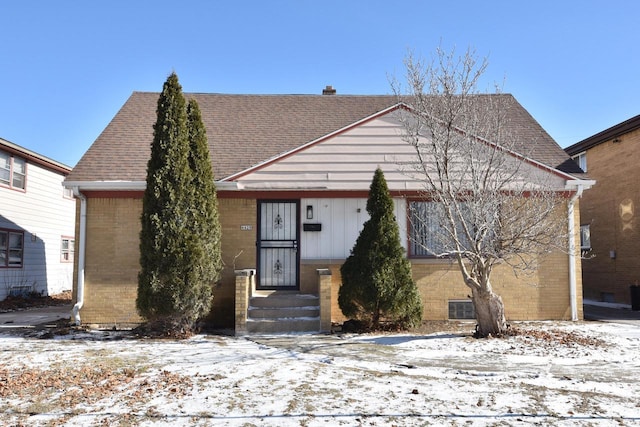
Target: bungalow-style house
{"type": "Point", "coordinates": [37, 224]}
{"type": "Point", "coordinates": [292, 175]}
{"type": "Point", "coordinates": [610, 227]}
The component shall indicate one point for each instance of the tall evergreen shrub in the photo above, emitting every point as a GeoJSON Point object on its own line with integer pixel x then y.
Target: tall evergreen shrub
{"type": "Point", "coordinates": [180, 232]}
{"type": "Point", "coordinates": [376, 277]}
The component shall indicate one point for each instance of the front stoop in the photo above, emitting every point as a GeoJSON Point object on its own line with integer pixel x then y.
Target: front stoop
{"type": "Point", "coordinates": [283, 312]}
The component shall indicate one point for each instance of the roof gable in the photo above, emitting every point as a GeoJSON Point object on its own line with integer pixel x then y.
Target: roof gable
{"type": "Point", "coordinates": [348, 159]}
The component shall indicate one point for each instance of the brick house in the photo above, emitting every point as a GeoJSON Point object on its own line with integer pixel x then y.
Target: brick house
{"type": "Point", "coordinates": [292, 174]}
{"type": "Point", "coordinates": [608, 211]}
{"type": "Point", "coordinates": [37, 223]}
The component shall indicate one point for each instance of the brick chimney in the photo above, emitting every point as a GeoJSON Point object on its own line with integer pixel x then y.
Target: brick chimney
{"type": "Point", "coordinates": [329, 90]}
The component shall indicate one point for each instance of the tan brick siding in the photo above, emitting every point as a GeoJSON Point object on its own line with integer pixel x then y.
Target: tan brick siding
{"type": "Point", "coordinates": [611, 208]}
{"type": "Point", "coordinates": [111, 261]}
{"type": "Point", "coordinates": [238, 253]}
{"type": "Point", "coordinates": [112, 265]}
{"type": "Point", "coordinates": [540, 296]}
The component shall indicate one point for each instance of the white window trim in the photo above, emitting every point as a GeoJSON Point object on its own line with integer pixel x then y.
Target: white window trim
{"type": "Point", "coordinates": [13, 173]}
{"type": "Point", "coordinates": [7, 249]}
{"type": "Point", "coordinates": [581, 160]}
{"type": "Point", "coordinates": [70, 251]}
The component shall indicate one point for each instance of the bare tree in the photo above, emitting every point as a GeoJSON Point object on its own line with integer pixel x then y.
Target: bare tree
{"type": "Point", "coordinates": [485, 201]}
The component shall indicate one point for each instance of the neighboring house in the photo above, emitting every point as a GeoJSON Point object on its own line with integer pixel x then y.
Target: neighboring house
{"type": "Point", "coordinates": [293, 173]}
{"type": "Point", "coordinates": [609, 211]}
{"type": "Point", "coordinates": [37, 224]}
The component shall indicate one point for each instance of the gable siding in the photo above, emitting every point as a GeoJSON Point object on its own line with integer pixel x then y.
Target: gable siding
{"type": "Point", "coordinates": [343, 162]}
{"type": "Point", "coordinates": [347, 162]}
{"type": "Point", "coordinates": [45, 216]}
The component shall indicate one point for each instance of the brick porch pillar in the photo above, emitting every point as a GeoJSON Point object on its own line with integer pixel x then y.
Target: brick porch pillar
{"type": "Point", "coordinates": [244, 290]}
{"type": "Point", "coordinates": [324, 295]}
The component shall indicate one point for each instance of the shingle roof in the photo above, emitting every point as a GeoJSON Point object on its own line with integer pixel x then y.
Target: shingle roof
{"type": "Point", "coordinates": [34, 157]}
{"type": "Point", "coordinates": [610, 133]}
{"type": "Point", "coordinates": [244, 130]}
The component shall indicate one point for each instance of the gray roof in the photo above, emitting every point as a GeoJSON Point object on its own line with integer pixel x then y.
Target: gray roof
{"type": "Point", "coordinates": [610, 133]}
{"type": "Point", "coordinates": [245, 130]}
{"type": "Point", "coordinates": [34, 157]}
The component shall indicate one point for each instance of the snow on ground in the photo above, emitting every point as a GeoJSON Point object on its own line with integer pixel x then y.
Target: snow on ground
{"type": "Point", "coordinates": [560, 373]}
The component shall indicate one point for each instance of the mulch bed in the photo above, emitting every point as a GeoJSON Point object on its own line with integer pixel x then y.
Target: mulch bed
{"type": "Point", "coordinates": [13, 303]}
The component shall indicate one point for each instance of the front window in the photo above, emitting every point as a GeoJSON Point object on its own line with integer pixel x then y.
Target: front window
{"type": "Point", "coordinates": [13, 171]}
{"type": "Point", "coordinates": [11, 248]}
{"type": "Point", "coordinates": [429, 235]}
{"type": "Point", "coordinates": [67, 249]}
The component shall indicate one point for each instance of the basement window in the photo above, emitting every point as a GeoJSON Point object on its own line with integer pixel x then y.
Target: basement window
{"type": "Point", "coordinates": [461, 309]}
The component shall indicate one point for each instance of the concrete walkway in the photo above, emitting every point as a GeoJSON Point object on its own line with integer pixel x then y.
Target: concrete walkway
{"type": "Point", "coordinates": [608, 312]}
{"type": "Point", "coordinates": [48, 316]}
{"type": "Point", "coordinates": [34, 317]}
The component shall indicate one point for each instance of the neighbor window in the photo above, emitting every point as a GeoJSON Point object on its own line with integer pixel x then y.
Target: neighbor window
{"type": "Point", "coordinates": [585, 237]}
{"type": "Point", "coordinates": [581, 160]}
{"type": "Point", "coordinates": [428, 235]}
{"type": "Point", "coordinates": [11, 244]}
{"type": "Point", "coordinates": [67, 193]}
{"type": "Point", "coordinates": [13, 171]}
{"type": "Point", "coordinates": [67, 249]}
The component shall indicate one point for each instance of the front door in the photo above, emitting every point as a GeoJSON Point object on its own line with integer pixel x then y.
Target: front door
{"type": "Point", "coordinates": [278, 238]}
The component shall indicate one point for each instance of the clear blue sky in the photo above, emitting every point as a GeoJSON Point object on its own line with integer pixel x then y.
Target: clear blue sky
{"type": "Point", "coordinates": [66, 67]}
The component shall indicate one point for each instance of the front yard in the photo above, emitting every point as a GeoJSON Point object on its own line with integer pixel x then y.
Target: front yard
{"type": "Point", "coordinates": [554, 373]}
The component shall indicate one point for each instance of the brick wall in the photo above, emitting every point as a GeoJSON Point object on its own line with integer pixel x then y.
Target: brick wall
{"type": "Point", "coordinates": [238, 253]}
{"type": "Point", "coordinates": [611, 208]}
{"type": "Point", "coordinates": [540, 296]}
{"type": "Point", "coordinates": [112, 265]}
{"type": "Point", "coordinates": [112, 261]}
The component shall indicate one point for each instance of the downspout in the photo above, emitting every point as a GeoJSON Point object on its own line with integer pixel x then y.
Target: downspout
{"type": "Point", "coordinates": [81, 254]}
{"type": "Point", "coordinates": [572, 253]}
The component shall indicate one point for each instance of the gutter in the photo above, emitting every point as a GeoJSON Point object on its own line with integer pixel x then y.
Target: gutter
{"type": "Point", "coordinates": [579, 186]}
{"type": "Point", "coordinates": [75, 311]}
{"type": "Point", "coordinates": [136, 185]}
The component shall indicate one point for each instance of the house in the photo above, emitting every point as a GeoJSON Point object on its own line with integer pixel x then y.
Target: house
{"type": "Point", "coordinates": [610, 227]}
{"type": "Point", "coordinates": [292, 174]}
{"type": "Point", "coordinates": [37, 223]}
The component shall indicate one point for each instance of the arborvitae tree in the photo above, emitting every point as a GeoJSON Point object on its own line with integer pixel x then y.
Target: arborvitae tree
{"type": "Point", "coordinates": [204, 223]}
{"type": "Point", "coordinates": [174, 283]}
{"type": "Point", "coordinates": [376, 277]}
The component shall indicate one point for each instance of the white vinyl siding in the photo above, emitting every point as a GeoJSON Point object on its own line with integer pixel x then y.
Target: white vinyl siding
{"type": "Point", "coordinates": [42, 215]}
{"type": "Point", "coordinates": [344, 162]}
{"type": "Point", "coordinates": [347, 161]}
{"type": "Point", "coordinates": [341, 221]}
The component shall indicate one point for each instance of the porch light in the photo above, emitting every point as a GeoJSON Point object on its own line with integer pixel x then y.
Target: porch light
{"type": "Point", "coordinates": [309, 212]}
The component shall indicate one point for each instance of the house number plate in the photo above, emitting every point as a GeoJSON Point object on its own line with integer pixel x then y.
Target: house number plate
{"type": "Point", "coordinates": [246, 227]}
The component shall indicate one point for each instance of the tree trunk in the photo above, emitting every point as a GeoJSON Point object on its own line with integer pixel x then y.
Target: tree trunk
{"type": "Point", "coordinates": [489, 313]}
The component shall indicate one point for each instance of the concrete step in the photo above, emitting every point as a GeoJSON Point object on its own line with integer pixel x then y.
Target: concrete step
{"type": "Point", "coordinates": [283, 299]}
{"type": "Point", "coordinates": [284, 325]}
{"type": "Point", "coordinates": [283, 312]}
